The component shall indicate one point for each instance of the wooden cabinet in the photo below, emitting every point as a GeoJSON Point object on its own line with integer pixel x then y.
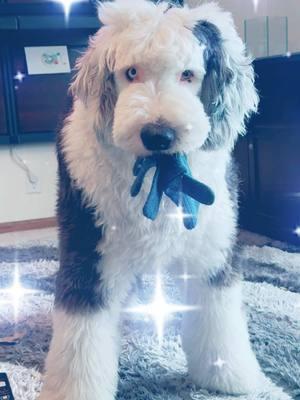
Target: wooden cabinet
{"type": "Point", "coordinates": [269, 156]}
{"type": "Point", "coordinates": [3, 129]}
{"type": "Point", "coordinates": [41, 99]}
{"type": "Point", "coordinates": [31, 106]}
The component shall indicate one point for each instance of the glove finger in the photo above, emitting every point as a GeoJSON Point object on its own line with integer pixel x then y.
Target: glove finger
{"type": "Point", "coordinates": [190, 209]}
{"type": "Point", "coordinates": [197, 190]}
{"type": "Point", "coordinates": [152, 204]}
{"type": "Point", "coordinates": [141, 167]}
{"type": "Point", "coordinates": [137, 185]}
{"type": "Point", "coordinates": [173, 191]}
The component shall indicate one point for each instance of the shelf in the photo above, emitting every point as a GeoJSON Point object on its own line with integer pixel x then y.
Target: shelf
{"type": "Point", "coordinates": [43, 137]}
{"type": "Point", "coordinates": [42, 22]}
{"type": "Point", "coordinates": [8, 24]}
{"type": "Point", "coordinates": [46, 8]}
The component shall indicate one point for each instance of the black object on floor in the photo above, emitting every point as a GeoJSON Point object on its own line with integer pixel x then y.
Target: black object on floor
{"type": "Point", "coordinates": [5, 389]}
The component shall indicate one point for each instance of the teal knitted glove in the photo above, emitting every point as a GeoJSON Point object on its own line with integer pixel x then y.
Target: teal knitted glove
{"type": "Point", "coordinates": [174, 179]}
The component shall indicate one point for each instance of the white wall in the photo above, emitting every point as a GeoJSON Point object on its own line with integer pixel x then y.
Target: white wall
{"type": "Point", "coordinates": [15, 203]}
{"type": "Point", "coordinates": [244, 9]}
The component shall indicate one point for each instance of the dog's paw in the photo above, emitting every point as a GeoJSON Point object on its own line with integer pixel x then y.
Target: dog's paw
{"type": "Point", "coordinates": [46, 396]}
{"type": "Point", "coordinates": [235, 376]}
{"type": "Point", "coordinates": [72, 394]}
{"type": "Point", "coordinates": [50, 395]}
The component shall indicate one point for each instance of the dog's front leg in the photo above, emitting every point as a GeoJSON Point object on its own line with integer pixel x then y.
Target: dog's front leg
{"type": "Point", "coordinates": [216, 340]}
{"type": "Point", "coordinates": [83, 359]}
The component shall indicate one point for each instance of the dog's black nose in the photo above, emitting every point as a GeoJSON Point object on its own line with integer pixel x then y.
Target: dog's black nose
{"type": "Point", "coordinates": [156, 137]}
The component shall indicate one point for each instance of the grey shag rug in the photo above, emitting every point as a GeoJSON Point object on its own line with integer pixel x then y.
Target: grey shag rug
{"type": "Point", "coordinates": [148, 372]}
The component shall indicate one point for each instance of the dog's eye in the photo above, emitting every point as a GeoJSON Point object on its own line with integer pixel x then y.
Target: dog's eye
{"type": "Point", "coordinates": [131, 74]}
{"type": "Point", "coordinates": [187, 75]}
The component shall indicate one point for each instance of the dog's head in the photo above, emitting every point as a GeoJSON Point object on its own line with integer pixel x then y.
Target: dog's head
{"type": "Point", "coordinates": [162, 78]}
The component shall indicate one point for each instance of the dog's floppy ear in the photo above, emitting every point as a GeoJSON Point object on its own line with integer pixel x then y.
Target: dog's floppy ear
{"type": "Point", "coordinates": [94, 82]}
{"type": "Point", "coordinates": [86, 82]}
{"type": "Point", "coordinates": [228, 93]}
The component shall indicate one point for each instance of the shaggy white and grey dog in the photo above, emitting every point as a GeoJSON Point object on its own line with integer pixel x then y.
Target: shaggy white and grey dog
{"type": "Point", "coordinates": [149, 67]}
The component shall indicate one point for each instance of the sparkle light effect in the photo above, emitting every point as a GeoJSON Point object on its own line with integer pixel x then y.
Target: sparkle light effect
{"type": "Point", "coordinates": [67, 4]}
{"type": "Point", "coordinates": [297, 305]}
{"type": "Point", "coordinates": [179, 215]}
{"type": "Point", "coordinates": [255, 4]}
{"type": "Point", "coordinates": [19, 76]}
{"type": "Point", "coordinates": [219, 363]}
{"type": "Point", "coordinates": [159, 310]}
{"type": "Point", "coordinates": [15, 293]}
{"type": "Point", "coordinates": [297, 231]}
{"type": "Point", "coordinates": [186, 276]}
{"type": "Point", "coordinates": [189, 127]}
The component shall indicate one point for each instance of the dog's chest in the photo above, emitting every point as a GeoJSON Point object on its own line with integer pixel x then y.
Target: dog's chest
{"type": "Point", "coordinates": [138, 238]}
{"type": "Point", "coordinates": [106, 180]}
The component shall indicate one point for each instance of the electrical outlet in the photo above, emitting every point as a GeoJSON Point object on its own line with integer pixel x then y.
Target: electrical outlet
{"type": "Point", "coordinates": [33, 186]}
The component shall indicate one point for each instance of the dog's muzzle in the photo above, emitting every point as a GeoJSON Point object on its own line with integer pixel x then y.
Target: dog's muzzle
{"type": "Point", "coordinates": [157, 137]}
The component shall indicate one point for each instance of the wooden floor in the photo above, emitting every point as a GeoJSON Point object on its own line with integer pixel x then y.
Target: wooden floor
{"type": "Point", "coordinates": [27, 225]}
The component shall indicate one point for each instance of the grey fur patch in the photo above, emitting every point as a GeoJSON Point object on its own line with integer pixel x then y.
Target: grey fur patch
{"type": "Point", "coordinates": [215, 80]}
{"type": "Point", "coordinates": [231, 272]}
{"type": "Point", "coordinates": [232, 181]}
{"type": "Point", "coordinates": [79, 287]}
{"type": "Point", "coordinates": [172, 3]}
{"type": "Point", "coordinates": [225, 277]}
{"type": "Point", "coordinates": [108, 97]}
{"type": "Point", "coordinates": [91, 81]}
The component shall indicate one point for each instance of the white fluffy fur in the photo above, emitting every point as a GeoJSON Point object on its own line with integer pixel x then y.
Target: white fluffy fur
{"type": "Point", "coordinates": [100, 144]}
{"type": "Point", "coordinates": [83, 361]}
{"type": "Point", "coordinates": [218, 352]}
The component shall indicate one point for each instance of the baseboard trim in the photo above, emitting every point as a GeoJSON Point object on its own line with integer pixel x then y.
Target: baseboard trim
{"type": "Point", "coordinates": [27, 225]}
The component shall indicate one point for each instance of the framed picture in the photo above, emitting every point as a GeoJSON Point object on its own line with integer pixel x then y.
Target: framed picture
{"type": "Point", "coordinates": [47, 60]}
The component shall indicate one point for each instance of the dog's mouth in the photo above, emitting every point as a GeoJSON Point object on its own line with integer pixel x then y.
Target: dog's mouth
{"type": "Point", "coordinates": [174, 179]}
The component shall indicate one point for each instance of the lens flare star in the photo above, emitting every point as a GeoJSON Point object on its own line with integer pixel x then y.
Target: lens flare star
{"type": "Point", "coordinates": [255, 4]}
{"type": "Point", "coordinates": [67, 4]}
{"type": "Point", "coordinates": [14, 293]}
{"type": "Point", "coordinates": [159, 310]}
{"type": "Point", "coordinates": [297, 305]}
{"type": "Point", "coordinates": [179, 215]}
{"type": "Point", "coordinates": [297, 231]}
{"type": "Point", "coordinates": [185, 276]}
{"type": "Point", "coordinates": [219, 363]}
{"type": "Point", "coordinates": [19, 76]}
